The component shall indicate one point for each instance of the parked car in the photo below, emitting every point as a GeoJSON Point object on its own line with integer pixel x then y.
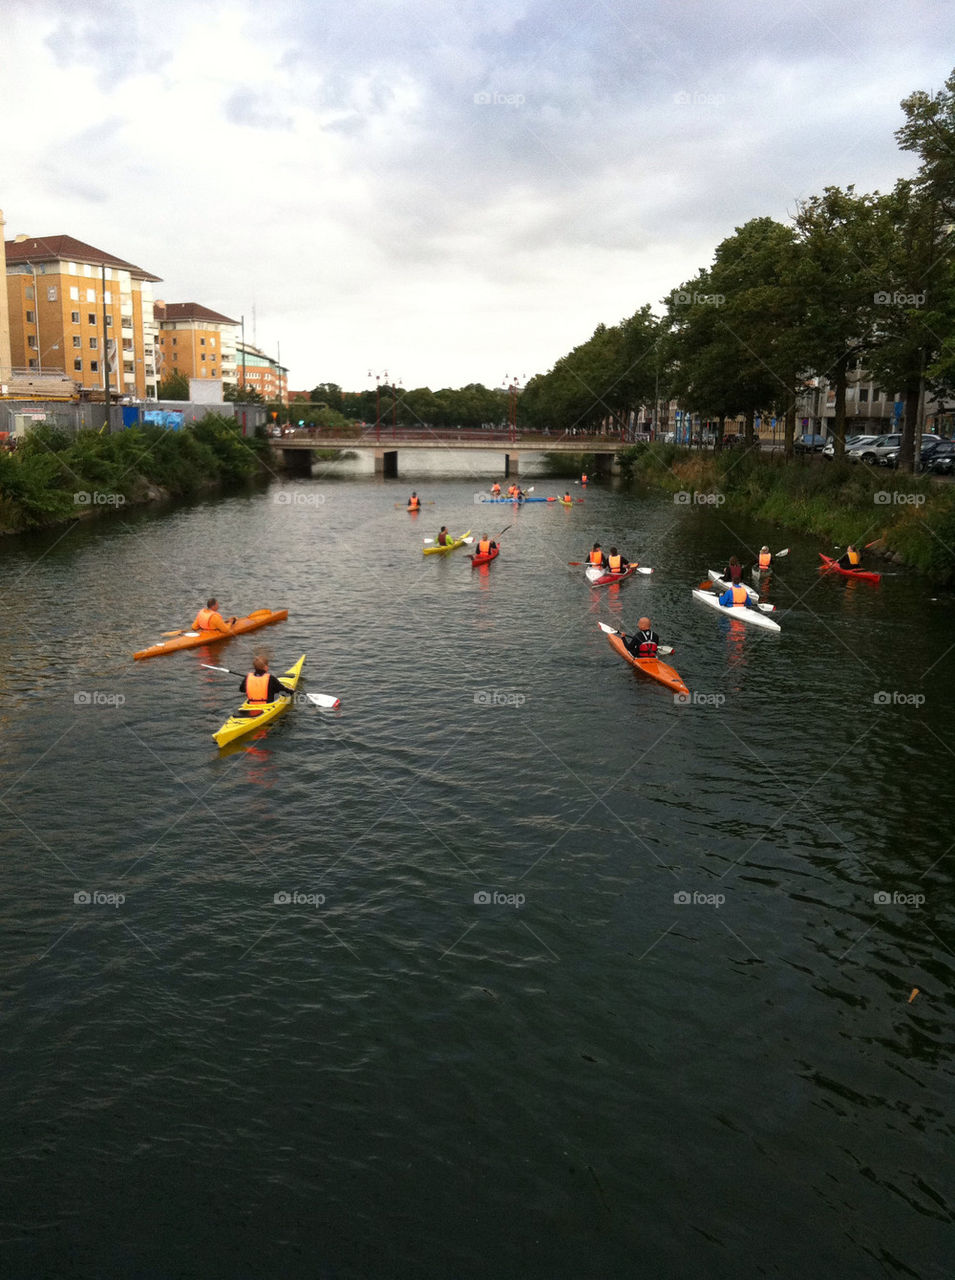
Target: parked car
{"type": "Point", "coordinates": [935, 455]}
{"type": "Point", "coordinates": [829, 448]}
{"type": "Point", "coordinates": [807, 443]}
{"type": "Point", "coordinates": [876, 451]}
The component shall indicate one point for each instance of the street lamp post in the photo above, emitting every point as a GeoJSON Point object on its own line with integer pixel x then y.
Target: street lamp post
{"type": "Point", "coordinates": [378, 377]}
{"type": "Point", "coordinates": [513, 387]}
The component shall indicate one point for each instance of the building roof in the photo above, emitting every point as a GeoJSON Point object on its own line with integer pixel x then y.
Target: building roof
{"type": "Point", "coordinates": [189, 311]}
{"type": "Point", "coordinates": [67, 249]}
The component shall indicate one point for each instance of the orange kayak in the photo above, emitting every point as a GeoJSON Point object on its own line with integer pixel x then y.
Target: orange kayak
{"type": "Point", "coordinates": [190, 639]}
{"type": "Point", "coordinates": [651, 667]}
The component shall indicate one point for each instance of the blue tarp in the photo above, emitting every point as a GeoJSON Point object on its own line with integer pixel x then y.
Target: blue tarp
{"type": "Point", "coordinates": [171, 419]}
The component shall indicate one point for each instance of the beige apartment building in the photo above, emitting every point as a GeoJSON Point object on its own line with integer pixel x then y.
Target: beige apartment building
{"type": "Point", "coordinates": [196, 342]}
{"type": "Point", "coordinates": [70, 305]}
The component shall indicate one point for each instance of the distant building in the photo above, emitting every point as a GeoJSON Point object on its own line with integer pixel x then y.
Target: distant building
{"type": "Point", "coordinates": [256, 370]}
{"type": "Point", "coordinates": [196, 342]}
{"type": "Point", "coordinates": [72, 306]}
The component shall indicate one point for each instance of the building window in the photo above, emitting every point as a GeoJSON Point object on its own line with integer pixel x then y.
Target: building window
{"type": "Point", "coordinates": [74, 317]}
{"type": "Point", "coordinates": [78, 366]}
{"type": "Point", "coordinates": [202, 342]}
{"type": "Point", "coordinates": [127, 344]}
{"type": "Point", "coordinates": [204, 356]}
{"type": "Point", "coordinates": [863, 395]}
{"type": "Point", "coordinates": [94, 343]}
{"type": "Point", "coordinates": [108, 298]}
{"type": "Point", "coordinates": [31, 342]}
{"type": "Point", "coordinates": [74, 294]}
{"type": "Point", "coordinates": [29, 293]}
{"type": "Point", "coordinates": [87, 269]}
{"type": "Point", "coordinates": [174, 341]}
{"type": "Point", "coordinates": [174, 357]}
{"type": "Point", "coordinates": [77, 340]}
{"type": "Point", "coordinates": [109, 322]}
{"type": "Point", "coordinates": [31, 317]}
{"type": "Point", "coordinates": [51, 293]}
{"type": "Point", "coordinates": [128, 366]}
{"type": "Point", "coordinates": [90, 295]}
{"type": "Point", "coordinates": [91, 317]}
{"type": "Point", "coordinates": [94, 366]}
{"type": "Point", "coordinates": [31, 364]}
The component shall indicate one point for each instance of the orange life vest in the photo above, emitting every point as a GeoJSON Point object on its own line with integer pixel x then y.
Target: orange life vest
{"type": "Point", "coordinates": [203, 620]}
{"type": "Point", "coordinates": [740, 595]}
{"type": "Point", "coordinates": [414, 504]}
{"type": "Point", "coordinates": [583, 479]}
{"type": "Point", "coordinates": [615, 563]}
{"type": "Point", "coordinates": [495, 488]}
{"type": "Point", "coordinates": [765, 558]}
{"type": "Point", "coordinates": [854, 558]}
{"type": "Point", "coordinates": [257, 687]}
{"type": "Point", "coordinates": [596, 557]}
{"type": "Point", "coordinates": [484, 546]}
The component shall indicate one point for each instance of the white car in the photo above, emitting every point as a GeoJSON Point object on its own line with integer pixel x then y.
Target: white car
{"type": "Point", "coordinates": [829, 448]}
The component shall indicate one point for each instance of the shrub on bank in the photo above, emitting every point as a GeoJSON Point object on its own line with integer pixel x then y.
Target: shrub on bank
{"type": "Point", "coordinates": [38, 482]}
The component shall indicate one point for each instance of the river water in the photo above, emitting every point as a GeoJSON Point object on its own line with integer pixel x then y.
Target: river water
{"type": "Point", "coordinates": [574, 980]}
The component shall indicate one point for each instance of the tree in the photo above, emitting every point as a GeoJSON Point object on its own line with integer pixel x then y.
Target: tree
{"type": "Point", "coordinates": [242, 395]}
{"type": "Point", "coordinates": [175, 387]}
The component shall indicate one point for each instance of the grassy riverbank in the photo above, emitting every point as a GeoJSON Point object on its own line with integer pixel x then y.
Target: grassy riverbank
{"type": "Point", "coordinates": [909, 518]}
{"type": "Point", "coordinates": [55, 476]}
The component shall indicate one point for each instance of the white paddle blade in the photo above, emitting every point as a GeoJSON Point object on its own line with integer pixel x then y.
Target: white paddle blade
{"type": "Point", "coordinates": [609, 630]}
{"type": "Point", "coordinates": [665, 649]}
{"type": "Point", "coordinates": [209, 667]}
{"type": "Point", "coordinates": [642, 568]}
{"type": "Point", "coordinates": [780, 554]}
{"type": "Point", "coordinates": [766, 608]}
{"type": "Point", "coordinates": [468, 541]}
{"type": "Point", "coordinates": [324, 700]}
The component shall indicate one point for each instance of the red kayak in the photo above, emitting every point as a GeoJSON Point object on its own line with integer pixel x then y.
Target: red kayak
{"type": "Point", "coordinates": [478, 558]}
{"type": "Point", "coordinates": [606, 578]}
{"type": "Point", "coordinates": [864, 574]}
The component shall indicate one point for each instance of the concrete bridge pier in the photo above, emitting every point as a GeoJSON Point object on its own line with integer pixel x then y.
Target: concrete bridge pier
{"type": "Point", "coordinates": [603, 464]}
{"type": "Point", "coordinates": [511, 465]}
{"type": "Point", "coordinates": [297, 462]}
{"type": "Point", "coordinates": [386, 463]}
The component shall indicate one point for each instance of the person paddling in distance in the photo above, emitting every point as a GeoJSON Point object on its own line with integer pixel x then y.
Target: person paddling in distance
{"type": "Point", "coordinates": [567, 497]}
{"type": "Point", "coordinates": [597, 557]}
{"type": "Point", "coordinates": [617, 563]}
{"type": "Point", "coordinates": [644, 642]}
{"type": "Point", "coordinates": [210, 619]}
{"type": "Point", "coordinates": [765, 559]}
{"type": "Point", "coordinates": [851, 558]}
{"type": "Point", "coordinates": [495, 490]}
{"type": "Point", "coordinates": [443, 537]}
{"type": "Point", "coordinates": [260, 685]}
{"type": "Point", "coordinates": [736, 596]}
{"type": "Point", "coordinates": [414, 502]}
{"type": "Point", "coordinates": [485, 545]}
{"type": "Point", "coordinates": [733, 572]}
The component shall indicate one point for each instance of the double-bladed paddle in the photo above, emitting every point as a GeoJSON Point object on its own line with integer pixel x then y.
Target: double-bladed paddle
{"type": "Point", "coordinates": [318, 699]}
{"type": "Point", "coordinates": [661, 648]}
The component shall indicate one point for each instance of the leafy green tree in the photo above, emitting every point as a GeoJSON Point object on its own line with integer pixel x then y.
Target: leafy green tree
{"type": "Point", "coordinates": [175, 387]}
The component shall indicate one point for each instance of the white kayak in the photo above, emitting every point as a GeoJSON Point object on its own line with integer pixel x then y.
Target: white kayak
{"type": "Point", "coordinates": [723, 584]}
{"type": "Point", "coordinates": [742, 613]}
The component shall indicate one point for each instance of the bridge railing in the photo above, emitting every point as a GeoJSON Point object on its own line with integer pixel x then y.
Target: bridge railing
{"type": "Point", "coordinates": [459, 435]}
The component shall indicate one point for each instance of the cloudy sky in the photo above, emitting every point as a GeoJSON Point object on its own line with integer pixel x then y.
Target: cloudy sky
{"type": "Point", "coordinates": [451, 191]}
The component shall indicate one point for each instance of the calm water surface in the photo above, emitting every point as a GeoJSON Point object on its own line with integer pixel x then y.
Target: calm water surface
{"type": "Point", "coordinates": [677, 1040]}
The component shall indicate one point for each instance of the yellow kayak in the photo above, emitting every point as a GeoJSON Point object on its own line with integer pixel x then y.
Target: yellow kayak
{"type": "Point", "coordinates": [440, 551]}
{"type": "Point", "coordinates": [252, 715]}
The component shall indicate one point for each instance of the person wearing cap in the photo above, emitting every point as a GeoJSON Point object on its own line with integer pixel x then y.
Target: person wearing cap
{"type": "Point", "coordinates": [765, 558]}
{"type": "Point", "coordinates": [644, 642]}
{"type": "Point", "coordinates": [260, 685]}
{"type": "Point", "coordinates": [210, 619]}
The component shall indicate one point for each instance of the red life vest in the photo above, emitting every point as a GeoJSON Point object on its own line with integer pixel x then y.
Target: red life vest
{"type": "Point", "coordinates": [257, 687]}
{"type": "Point", "coordinates": [596, 557]}
{"type": "Point", "coordinates": [647, 649]}
{"type": "Point", "coordinates": [740, 595]}
{"type": "Point", "coordinates": [615, 563]}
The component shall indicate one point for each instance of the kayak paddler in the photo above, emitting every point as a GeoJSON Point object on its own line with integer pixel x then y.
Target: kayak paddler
{"type": "Point", "coordinates": [765, 558]}
{"type": "Point", "coordinates": [259, 685]}
{"type": "Point", "coordinates": [414, 502]}
{"type": "Point", "coordinates": [617, 563]}
{"type": "Point", "coordinates": [443, 537]}
{"type": "Point", "coordinates": [644, 642]}
{"type": "Point", "coordinates": [735, 597]}
{"type": "Point", "coordinates": [485, 545]}
{"type": "Point", "coordinates": [495, 490]}
{"type": "Point", "coordinates": [210, 619]}
{"type": "Point", "coordinates": [567, 497]}
{"type": "Point", "coordinates": [597, 557]}
{"type": "Point", "coordinates": [733, 572]}
{"type": "Point", "coordinates": [852, 559]}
